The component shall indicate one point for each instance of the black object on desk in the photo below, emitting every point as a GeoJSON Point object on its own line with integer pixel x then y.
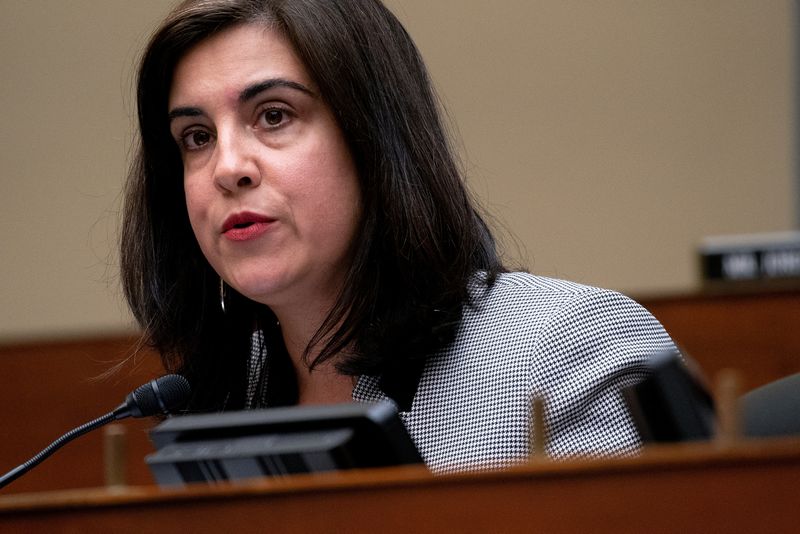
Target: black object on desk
{"type": "Point", "coordinates": [235, 446]}
{"type": "Point", "coordinates": [672, 404]}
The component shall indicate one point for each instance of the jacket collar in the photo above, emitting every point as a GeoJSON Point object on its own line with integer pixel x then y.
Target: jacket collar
{"type": "Point", "coordinates": [397, 383]}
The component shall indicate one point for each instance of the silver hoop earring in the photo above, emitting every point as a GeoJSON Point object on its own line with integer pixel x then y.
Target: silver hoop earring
{"type": "Point", "coordinates": [222, 294]}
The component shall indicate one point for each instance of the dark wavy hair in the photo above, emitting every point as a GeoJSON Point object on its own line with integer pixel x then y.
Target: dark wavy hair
{"type": "Point", "coordinates": [421, 239]}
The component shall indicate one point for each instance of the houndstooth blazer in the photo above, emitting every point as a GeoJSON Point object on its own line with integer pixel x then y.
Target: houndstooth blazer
{"type": "Point", "coordinates": [572, 345]}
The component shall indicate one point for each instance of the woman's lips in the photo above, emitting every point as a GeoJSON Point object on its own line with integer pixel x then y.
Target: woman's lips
{"type": "Point", "coordinates": [245, 226]}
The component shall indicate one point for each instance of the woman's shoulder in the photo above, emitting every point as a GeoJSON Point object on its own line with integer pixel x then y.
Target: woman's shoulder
{"type": "Point", "coordinates": [524, 290]}
{"type": "Point", "coordinates": [520, 282]}
{"type": "Point", "coordinates": [536, 302]}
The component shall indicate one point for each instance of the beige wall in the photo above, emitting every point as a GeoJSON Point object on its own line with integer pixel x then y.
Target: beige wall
{"type": "Point", "coordinates": [608, 137]}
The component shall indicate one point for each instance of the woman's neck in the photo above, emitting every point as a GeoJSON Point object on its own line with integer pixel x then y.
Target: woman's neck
{"type": "Point", "coordinates": [324, 384]}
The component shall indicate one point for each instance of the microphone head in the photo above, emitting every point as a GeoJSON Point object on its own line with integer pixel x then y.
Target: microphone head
{"type": "Point", "coordinates": [160, 396]}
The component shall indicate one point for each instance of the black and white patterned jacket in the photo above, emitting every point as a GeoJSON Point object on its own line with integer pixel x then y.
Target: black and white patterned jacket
{"type": "Point", "coordinates": [573, 345]}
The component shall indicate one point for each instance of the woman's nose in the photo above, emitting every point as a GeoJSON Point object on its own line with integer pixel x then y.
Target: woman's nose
{"type": "Point", "coordinates": [236, 163]}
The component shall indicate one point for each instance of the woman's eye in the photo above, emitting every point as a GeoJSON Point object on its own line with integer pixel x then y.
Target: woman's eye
{"type": "Point", "coordinates": [196, 139]}
{"type": "Point", "coordinates": [273, 117]}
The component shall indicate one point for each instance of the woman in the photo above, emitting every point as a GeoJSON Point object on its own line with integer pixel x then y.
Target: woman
{"type": "Point", "coordinates": [297, 231]}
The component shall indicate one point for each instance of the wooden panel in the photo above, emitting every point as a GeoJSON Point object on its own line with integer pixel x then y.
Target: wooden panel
{"type": "Point", "coordinates": [51, 388]}
{"type": "Point", "coordinates": [756, 333]}
{"type": "Point", "coordinates": [684, 489]}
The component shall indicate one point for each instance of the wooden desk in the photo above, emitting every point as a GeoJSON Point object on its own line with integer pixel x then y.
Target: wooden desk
{"type": "Point", "coordinates": [753, 488]}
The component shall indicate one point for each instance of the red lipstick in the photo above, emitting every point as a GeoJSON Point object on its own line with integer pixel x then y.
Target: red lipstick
{"type": "Point", "coordinates": [245, 226]}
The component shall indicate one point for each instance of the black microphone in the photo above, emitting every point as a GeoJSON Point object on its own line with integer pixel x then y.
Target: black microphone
{"type": "Point", "coordinates": [160, 396]}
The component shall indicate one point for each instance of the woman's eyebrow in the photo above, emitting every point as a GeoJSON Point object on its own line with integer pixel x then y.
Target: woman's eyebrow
{"type": "Point", "coordinates": [259, 87]}
{"type": "Point", "coordinates": [184, 112]}
{"type": "Point", "coordinates": [248, 93]}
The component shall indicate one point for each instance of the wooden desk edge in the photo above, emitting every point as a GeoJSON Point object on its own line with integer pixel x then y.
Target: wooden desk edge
{"type": "Point", "coordinates": [695, 456]}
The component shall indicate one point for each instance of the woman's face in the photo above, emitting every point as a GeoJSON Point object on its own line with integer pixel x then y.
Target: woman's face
{"type": "Point", "coordinates": [271, 188]}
